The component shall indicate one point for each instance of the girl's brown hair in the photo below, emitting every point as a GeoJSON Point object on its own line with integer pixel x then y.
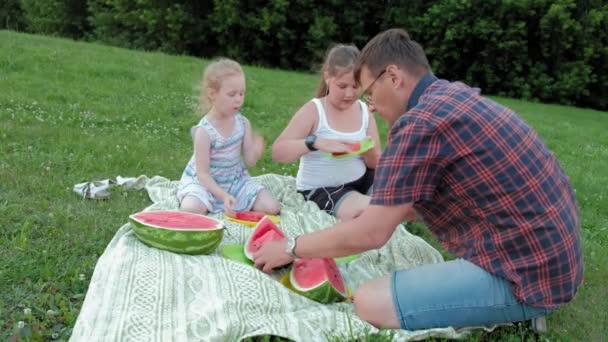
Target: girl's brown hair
{"type": "Point", "coordinates": [213, 76]}
{"type": "Point", "coordinates": [340, 59]}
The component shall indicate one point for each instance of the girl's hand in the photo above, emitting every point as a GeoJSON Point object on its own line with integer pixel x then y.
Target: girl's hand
{"type": "Point", "coordinates": [229, 203]}
{"type": "Point", "coordinates": [333, 146]}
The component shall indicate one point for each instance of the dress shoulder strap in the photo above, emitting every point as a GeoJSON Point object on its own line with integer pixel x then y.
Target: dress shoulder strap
{"type": "Point", "coordinates": [365, 115]}
{"type": "Point", "coordinates": [321, 112]}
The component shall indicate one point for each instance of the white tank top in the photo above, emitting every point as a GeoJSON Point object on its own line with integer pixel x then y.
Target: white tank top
{"type": "Point", "coordinates": [318, 170]}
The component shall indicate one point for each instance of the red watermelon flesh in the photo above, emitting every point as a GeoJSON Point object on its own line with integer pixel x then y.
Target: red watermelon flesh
{"type": "Point", "coordinates": [310, 272]}
{"type": "Point", "coordinates": [318, 279]}
{"type": "Point", "coordinates": [263, 232]}
{"type": "Point", "coordinates": [251, 216]}
{"type": "Point", "coordinates": [176, 220]}
{"type": "Point", "coordinates": [353, 147]}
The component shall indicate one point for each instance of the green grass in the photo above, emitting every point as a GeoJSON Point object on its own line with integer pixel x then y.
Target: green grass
{"type": "Point", "coordinates": [72, 112]}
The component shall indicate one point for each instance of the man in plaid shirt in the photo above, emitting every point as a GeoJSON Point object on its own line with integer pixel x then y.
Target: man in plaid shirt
{"type": "Point", "coordinates": [483, 182]}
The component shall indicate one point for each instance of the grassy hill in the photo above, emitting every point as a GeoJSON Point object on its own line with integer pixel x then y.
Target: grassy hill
{"type": "Point", "coordinates": [73, 112]}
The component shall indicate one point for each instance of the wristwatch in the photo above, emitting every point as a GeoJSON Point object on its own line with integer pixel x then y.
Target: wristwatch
{"type": "Point", "coordinates": [290, 247]}
{"type": "Point", "coordinates": [310, 142]}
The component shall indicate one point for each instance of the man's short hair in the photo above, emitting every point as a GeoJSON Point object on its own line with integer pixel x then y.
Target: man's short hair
{"type": "Point", "coordinates": [393, 46]}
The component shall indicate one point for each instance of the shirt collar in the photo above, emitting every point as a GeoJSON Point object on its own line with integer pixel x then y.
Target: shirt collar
{"type": "Point", "coordinates": [424, 83]}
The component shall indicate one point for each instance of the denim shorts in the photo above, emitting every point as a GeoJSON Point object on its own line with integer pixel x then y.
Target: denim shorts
{"type": "Point", "coordinates": [455, 293]}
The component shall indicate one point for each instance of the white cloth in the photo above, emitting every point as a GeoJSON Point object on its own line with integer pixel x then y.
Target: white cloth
{"type": "Point", "coordinates": [317, 170]}
{"type": "Point", "coordinates": [139, 293]}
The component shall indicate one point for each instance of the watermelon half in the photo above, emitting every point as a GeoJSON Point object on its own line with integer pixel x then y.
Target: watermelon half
{"type": "Point", "coordinates": [178, 231]}
{"type": "Point", "coordinates": [266, 230]}
{"type": "Point", "coordinates": [318, 279]}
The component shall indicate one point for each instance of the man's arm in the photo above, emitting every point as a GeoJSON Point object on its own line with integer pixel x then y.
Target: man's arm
{"type": "Point", "coordinates": [368, 231]}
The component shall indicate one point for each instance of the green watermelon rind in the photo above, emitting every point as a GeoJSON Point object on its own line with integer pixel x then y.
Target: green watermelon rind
{"type": "Point", "coordinates": [366, 145]}
{"type": "Point", "coordinates": [235, 252]}
{"type": "Point", "coordinates": [183, 241]}
{"type": "Point", "coordinates": [323, 293]}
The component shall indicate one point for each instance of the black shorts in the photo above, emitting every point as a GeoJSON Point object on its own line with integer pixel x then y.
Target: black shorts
{"type": "Point", "coordinates": [330, 199]}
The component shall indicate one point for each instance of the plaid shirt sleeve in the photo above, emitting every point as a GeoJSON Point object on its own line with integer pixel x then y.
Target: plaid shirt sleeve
{"type": "Point", "coordinates": [411, 165]}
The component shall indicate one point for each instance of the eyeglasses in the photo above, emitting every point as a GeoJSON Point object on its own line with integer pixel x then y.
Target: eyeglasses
{"type": "Point", "coordinates": [366, 97]}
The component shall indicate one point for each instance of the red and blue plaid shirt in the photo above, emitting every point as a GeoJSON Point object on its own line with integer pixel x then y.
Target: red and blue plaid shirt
{"type": "Point", "coordinates": [487, 187]}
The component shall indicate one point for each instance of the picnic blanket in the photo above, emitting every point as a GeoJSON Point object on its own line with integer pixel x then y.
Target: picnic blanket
{"type": "Point", "coordinates": [141, 293]}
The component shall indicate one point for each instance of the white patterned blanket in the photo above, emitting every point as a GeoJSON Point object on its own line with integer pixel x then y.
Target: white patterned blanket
{"type": "Point", "coordinates": [139, 293]}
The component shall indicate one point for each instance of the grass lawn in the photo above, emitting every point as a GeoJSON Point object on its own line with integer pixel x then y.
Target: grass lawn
{"type": "Point", "coordinates": [73, 112]}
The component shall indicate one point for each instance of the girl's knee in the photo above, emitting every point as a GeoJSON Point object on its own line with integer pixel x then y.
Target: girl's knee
{"type": "Point", "coordinates": [345, 215]}
{"type": "Point", "coordinates": [272, 207]}
{"type": "Point", "coordinates": [352, 206]}
{"type": "Point", "coordinates": [193, 205]}
{"type": "Point", "coordinates": [275, 207]}
{"type": "Point", "coordinates": [267, 203]}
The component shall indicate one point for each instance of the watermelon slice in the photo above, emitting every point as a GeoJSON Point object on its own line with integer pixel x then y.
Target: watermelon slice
{"type": "Point", "coordinates": [357, 148]}
{"type": "Point", "coordinates": [235, 252]}
{"type": "Point", "coordinates": [318, 279]}
{"type": "Point", "coordinates": [178, 231]}
{"type": "Point", "coordinates": [264, 231]}
{"type": "Point", "coordinates": [353, 147]}
{"type": "Point", "coordinates": [251, 218]}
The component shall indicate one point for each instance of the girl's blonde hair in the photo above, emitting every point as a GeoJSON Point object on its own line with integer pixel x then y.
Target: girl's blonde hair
{"type": "Point", "coordinates": [214, 74]}
{"type": "Point", "coordinates": [340, 59]}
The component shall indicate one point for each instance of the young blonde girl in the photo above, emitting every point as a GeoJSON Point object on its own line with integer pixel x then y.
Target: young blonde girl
{"type": "Point", "coordinates": [216, 176]}
{"type": "Point", "coordinates": [328, 123]}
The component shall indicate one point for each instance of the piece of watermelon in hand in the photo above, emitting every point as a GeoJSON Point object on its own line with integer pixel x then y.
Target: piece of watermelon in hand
{"type": "Point", "coordinates": [264, 231]}
{"type": "Point", "coordinates": [355, 146]}
{"type": "Point", "coordinates": [318, 279]}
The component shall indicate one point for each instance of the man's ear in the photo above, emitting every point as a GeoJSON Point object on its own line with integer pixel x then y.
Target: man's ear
{"type": "Point", "coordinates": [395, 74]}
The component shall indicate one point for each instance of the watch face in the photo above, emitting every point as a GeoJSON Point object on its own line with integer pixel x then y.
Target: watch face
{"type": "Point", "coordinates": [310, 141]}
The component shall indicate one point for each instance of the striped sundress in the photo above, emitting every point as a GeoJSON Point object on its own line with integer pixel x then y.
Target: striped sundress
{"type": "Point", "coordinates": [225, 166]}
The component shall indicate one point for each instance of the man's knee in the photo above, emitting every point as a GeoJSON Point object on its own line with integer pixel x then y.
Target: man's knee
{"type": "Point", "coordinates": [361, 301]}
{"type": "Point", "coordinates": [373, 304]}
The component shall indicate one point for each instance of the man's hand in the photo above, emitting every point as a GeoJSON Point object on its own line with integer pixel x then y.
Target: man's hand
{"type": "Point", "coordinates": [272, 255]}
